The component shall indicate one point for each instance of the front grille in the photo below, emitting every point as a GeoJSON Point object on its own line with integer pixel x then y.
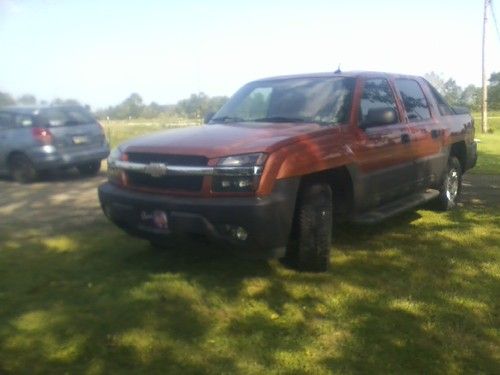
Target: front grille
{"type": "Point", "coordinates": [178, 183]}
{"type": "Point", "coordinates": [182, 160]}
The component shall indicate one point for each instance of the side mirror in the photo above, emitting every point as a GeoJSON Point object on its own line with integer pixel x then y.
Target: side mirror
{"type": "Point", "coordinates": [379, 116]}
{"type": "Point", "coordinates": [208, 116]}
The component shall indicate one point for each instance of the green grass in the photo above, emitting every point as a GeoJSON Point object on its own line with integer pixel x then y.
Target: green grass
{"type": "Point", "coordinates": [489, 146]}
{"type": "Point", "coordinates": [419, 294]}
{"type": "Point", "coordinates": [118, 131]}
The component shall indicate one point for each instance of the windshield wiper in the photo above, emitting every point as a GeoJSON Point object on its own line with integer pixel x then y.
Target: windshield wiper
{"type": "Point", "coordinates": [226, 119]}
{"type": "Point", "coordinates": [279, 119]}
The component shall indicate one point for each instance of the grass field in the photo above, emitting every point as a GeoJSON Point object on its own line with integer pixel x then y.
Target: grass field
{"type": "Point", "coordinates": [118, 131]}
{"type": "Point", "coordinates": [418, 294]}
{"type": "Point", "coordinates": [489, 146]}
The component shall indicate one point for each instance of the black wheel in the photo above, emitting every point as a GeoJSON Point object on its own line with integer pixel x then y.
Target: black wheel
{"type": "Point", "coordinates": [90, 168]}
{"type": "Point", "coordinates": [450, 190]}
{"type": "Point", "coordinates": [22, 169]}
{"type": "Point", "coordinates": [310, 249]}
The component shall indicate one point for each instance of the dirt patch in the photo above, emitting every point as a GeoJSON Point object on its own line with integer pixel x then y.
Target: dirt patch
{"type": "Point", "coordinates": [481, 190]}
{"type": "Point", "coordinates": [67, 201]}
{"type": "Point", "coordinates": [58, 202]}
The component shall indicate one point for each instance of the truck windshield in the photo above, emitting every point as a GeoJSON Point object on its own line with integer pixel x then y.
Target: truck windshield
{"type": "Point", "coordinates": [323, 100]}
{"type": "Point", "coordinates": [64, 116]}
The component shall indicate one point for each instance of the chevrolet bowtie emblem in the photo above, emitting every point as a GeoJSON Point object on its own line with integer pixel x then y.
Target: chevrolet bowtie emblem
{"type": "Point", "coordinates": [156, 169]}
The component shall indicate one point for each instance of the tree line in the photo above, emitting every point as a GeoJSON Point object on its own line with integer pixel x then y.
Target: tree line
{"type": "Point", "coordinates": [470, 96]}
{"type": "Point", "coordinates": [200, 104]}
{"type": "Point", "coordinates": [196, 106]}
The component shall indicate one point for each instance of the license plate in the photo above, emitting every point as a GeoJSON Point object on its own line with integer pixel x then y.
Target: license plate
{"type": "Point", "coordinates": [80, 139]}
{"type": "Point", "coordinates": [156, 221]}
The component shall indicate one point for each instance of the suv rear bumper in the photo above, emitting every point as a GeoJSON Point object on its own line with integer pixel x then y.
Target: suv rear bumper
{"type": "Point", "coordinates": [266, 220]}
{"type": "Point", "coordinates": [46, 158]}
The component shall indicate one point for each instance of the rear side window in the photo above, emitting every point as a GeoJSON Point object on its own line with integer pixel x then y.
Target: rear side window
{"type": "Point", "coordinates": [5, 120]}
{"type": "Point", "coordinates": [71, 116]}
{"type": "Point", "coordinates": [414, 100]}
{"type": "Point", "coordinates": [377, 95]}
{"type": "Point", "coordinates": [443, 107]}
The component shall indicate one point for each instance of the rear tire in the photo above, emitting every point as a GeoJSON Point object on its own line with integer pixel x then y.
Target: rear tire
{"type": "Point", "coordinates": [310, 251]}
{"type": "Point", "coordinates": [22, 169]}
{"type": "Point", "coordinates": [451, 188]}
{"type": "Point", "coordinates": [90, 168]}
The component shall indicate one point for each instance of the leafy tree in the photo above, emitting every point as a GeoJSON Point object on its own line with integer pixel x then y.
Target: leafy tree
{"type": "Point", "coordinates": [494, 91]}
{"type": "Point", "coordinates": [436, 80]}
{"type": "Point", "coordinates": [134, 105]}
{"type": "Point", "coordinates": [6, 99]}
{"type": "Point", "coordinates": [199, 105]}
{"type": "Point", "coordinates": [59, 101]}
{"type": "Point", "coordinates": [26, 99]}
{"type": "Point", "coordinates": [471, 97]}
{"type": "Point", "coordinates": [452, 92]}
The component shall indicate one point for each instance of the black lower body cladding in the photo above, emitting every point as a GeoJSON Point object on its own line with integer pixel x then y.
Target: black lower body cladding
{"type": "Point", "coordinates": [256, 224]}
{"type": "Point", "coordinates": [471, 155]}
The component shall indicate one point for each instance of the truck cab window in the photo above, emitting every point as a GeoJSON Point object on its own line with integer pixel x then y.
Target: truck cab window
{"type": "Point", "coordinates": [414, 100]}
{"type": "Point", "coordinates": [443, 107]}
{"type": "Point", "coordinates": [377, 96]}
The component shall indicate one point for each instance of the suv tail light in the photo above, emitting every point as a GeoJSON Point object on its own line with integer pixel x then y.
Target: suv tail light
{"type": "Point", "coordinates": [42, 135]}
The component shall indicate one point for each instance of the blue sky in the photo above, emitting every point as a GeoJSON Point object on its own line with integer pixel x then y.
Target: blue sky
{"type": "Point", "coordinates": [101, 51]}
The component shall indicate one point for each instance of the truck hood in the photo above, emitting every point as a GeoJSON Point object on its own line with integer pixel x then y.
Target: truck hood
{"type": "Point", "coordinates": [220, 140]}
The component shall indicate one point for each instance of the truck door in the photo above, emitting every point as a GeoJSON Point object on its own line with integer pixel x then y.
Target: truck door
{"type": "Point", "coordinates": [426, 132]}
{"type": "Point", "coordinates": [382, 148]}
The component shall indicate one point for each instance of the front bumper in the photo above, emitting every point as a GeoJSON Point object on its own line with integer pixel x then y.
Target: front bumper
{"type": "Point", "coordinates": [266, 220]}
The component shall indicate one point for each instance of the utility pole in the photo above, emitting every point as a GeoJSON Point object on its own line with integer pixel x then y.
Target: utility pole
{"type": "Point", "coordinates": [484, 117]}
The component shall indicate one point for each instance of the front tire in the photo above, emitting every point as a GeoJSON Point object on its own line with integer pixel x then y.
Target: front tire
{"type": "Point", "coordinates": [22, 169]}
{"type": "Point", "coordinates": [310, 251]}
{"type": "Point", "coordinates": [451, 188]}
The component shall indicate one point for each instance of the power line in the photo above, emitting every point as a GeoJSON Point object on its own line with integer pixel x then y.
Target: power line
{"type": "Point", "coordinates": [484, 101]}
{"type": "Point", "coordinates": [495, 19]}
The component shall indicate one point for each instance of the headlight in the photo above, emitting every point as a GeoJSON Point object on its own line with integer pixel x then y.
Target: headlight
{"type": "Point", "coordinates": [114, 155]}
{"type": "Point", "coordinates": [239, 173]}
{"type": "Point", "coordinates": [114, 174]}
{"type": "Point", "coordinates": [247, 160]}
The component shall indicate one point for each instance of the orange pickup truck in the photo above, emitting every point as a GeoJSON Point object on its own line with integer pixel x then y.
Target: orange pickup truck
{"type": "Point", "coordinates": [287, 157]}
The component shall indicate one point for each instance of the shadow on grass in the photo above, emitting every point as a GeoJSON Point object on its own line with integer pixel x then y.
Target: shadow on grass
{"type": "Point", "coordinates": [415, 294]}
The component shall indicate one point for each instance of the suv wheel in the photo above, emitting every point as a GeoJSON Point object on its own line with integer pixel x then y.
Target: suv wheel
{"type": "Point", "coordinates": [450, 191]}
{"type": "Point", "coordinates": [22, 169]}
{"type": "Point", "coordinates": [311, 249]}
{"type": "Point", "coordinates": [90, 168]}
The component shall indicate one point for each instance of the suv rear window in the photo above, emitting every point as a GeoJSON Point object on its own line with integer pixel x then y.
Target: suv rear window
{"type": "Point", "coordinates": [71, 116]}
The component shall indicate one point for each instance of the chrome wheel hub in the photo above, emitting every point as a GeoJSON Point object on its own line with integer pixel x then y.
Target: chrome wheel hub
{"type": "Point", "coordinates": [452, 184]}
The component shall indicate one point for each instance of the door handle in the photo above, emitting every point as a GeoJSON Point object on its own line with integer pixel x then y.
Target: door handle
{"type": "Point", "coordinates": [405, 138]}
{"type": "Point", "coordinates": [435, 133]}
